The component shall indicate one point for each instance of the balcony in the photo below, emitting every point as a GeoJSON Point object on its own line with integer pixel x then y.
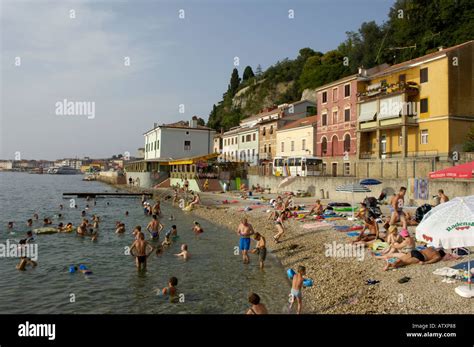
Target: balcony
{"type": "Point", "coordinates": [265, 156]}
{"type": "Point", "coordinates": [383, 89]}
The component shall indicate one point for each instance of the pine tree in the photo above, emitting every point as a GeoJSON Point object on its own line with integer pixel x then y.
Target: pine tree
{"type": "Point", "coordinates": [248, 73]}
{"type": "Point", "coordinates": [234, 83]}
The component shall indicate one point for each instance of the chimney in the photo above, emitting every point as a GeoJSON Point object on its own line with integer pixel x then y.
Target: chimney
{"type": "Point", "coordinates": [194, 122]}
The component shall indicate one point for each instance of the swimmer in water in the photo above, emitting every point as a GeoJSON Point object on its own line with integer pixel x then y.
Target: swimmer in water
{"type": "Point", "coordinates": [171, 290]}
{"type": "Point", "coordinates": [47, 221]}
{"type": "Point", "coordinates": [60, 227]}
{"type": "Point", "coordinates": [126, 213]}
{"type": "Point", "coordinates": [184, 252]}
{"type": "Point", "coordinates": [171, 217]}
{"type": "Point", "coordinates": [35, 216]}
{"type": "Point", "coordinates": [10, 225]}
{"type": "Point", "coordinates": [24, 261]}
{"type": "Point", "coordinates": [61, 206]}
{"type": "Point", "coordinates": [29, 222]}
{"type": "Point", "coordinates": [83, 213]}
{"type": "Point", "coordinates": [154, 228]}
{"type": "Point", "coordinates": [141, 246]}
{"type": "Point", "coordinates": [120, 228]}
{"type": "Point", "coordinates": [157, 208]}
{"type": "Point", "coordinates": [197, 228]}
{"type": "Point", "coordinates": [167, 241]}
{"type": "Point", "coordinates": [82, 229]}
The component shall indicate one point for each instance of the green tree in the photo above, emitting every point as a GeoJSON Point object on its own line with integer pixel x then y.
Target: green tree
{"type": "Point", "coordinates": [248, 73]}
{"type": "Point", "coordinates": [234, 83]}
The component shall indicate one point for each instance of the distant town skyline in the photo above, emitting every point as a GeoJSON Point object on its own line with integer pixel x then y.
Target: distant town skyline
{"type": "Point", "coordinates": [83, 79]}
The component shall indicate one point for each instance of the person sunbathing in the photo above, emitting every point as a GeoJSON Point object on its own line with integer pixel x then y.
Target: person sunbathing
{"type": "Point", "coordinates": [371, 225]}
{"type": "Point", "coordinates": [362, 213]}
{"type": "Point", "coordinates": [405, 245]}
{"type": "Point", "coordinates": [317, 209]}
{"type": "Point", "coordinates": [425, 256]}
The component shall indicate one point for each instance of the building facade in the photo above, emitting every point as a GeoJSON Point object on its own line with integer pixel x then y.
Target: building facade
{"type": "Point", "coordinates": [297, 138]}
{"type": "Point", "coordinates": [420, 108]}
{"type": "Point", "coordinates": [271, 120]}
{"type": "Point", "coordinates": [178, 140]}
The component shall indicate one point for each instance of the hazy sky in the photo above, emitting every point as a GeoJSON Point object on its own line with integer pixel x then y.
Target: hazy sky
{"type": "Point", "coordinates": [173, 61]}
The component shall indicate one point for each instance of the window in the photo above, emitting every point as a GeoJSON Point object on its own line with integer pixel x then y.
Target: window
{"type": "Point", "coordinates": [334, 95]}
{"type": "Point", "coordinates": [269, 148]}
{"type": "Point", "coordinates": [402, 78]}
{"type": "Point", "coordinates": [334, 117]}
{"type": "Point", "coordinates": [253, 137]}
{"type": "Point", "coordinates": [243, 139]}
{"type": "Point", "coordinates": [253, 153]}
{"type": "Point", "coordinates": [248, 138]}
{"type": "Point", "coordinates": [347, 143]}
{"type": "Point", "coordinates": [424, 75]}
{"type": "Point", "coordinates": [400, 140]}
{"type": "Point", "coordinates": [324, 119]}
{"type": "Point", "coordinates": [324, 166]}
{"type": "Point", "coordinates": [157, 144]}
{"type": "Point", "coordinates": [324, 146]}
{"type": "Point", "coordinates": [282, 147]}
{"type": "Point", "coordinates": [264, 131]}
{"type": "Point", "coordinates": [187, 132]}
{"type": "Point", "coordinates": [265, 149]}
{"type": "Point", "coordinates": [424, 105]}
{"type": "Point", "coordinates": [325, 97]}
{"type": "Point", "coordinates": [347, 115]}
{"type": "Point", "coordinates": [303, 144]}
{"type": "Point", "coordinates": [271, 130]}
{"type": "Point", "coordinates": [187, 145]}
{"type": "Point", "coordinates": [292, 146]}
{"type": "Point", "coordinates": [347, 169]}
{"type": "Point", "coordinates": [424, 137]}
{"type": "Point", "coordinates": [347, 90]}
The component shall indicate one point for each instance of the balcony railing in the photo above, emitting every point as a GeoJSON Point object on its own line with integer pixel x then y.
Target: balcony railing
{"type": "Point", "coordinates": [410, 88]}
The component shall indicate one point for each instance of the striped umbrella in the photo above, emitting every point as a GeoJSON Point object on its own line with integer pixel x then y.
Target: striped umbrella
{"type": "Point", "coordinates": [370, 182]}
{"type": "Point", "coordinates": [353, 188]}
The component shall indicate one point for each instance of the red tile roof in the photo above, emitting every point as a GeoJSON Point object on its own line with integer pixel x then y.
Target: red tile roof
{"type": "Point", "coordinates": [301, 123]}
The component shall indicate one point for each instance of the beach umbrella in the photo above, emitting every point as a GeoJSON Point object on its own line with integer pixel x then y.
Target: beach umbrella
{"type": "Point", "coordinates": [370, 182]}
{"type": "Point", "coordinates": [451, 225]}
{"type": "Point", "coordinates": [353, 188]}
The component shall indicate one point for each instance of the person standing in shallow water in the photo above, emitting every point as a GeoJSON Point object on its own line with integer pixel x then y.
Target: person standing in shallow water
{"type": "Point", "coordinates": [245, 230]}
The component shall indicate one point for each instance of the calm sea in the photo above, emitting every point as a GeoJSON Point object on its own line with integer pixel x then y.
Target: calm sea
{"type": "Point", "coordinates": [213, 281]}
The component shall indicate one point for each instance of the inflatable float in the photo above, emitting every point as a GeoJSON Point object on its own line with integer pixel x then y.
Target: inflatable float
{"type": "Point", "coordinates": [345, 209]}
{"type": "Point", "coordinates": [45, 231]}
{"type": "Point", "coordinates": [307, 282]}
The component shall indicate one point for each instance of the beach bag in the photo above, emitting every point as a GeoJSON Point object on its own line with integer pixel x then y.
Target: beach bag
{"type": "Point", "coordinates": [421, 211]}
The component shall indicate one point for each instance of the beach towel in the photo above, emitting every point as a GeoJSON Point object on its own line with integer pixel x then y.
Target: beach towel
{"type": "Point", "coordinates": [378, 245]}
{"type": "Point", "coordinates": [341, 227]}
{"type": "Point", "coordinates": [445, 271]}
{"type": "Point", "coordinates": [462, 266]}
{"type": "Point", "coordinates": [316, 225]}
{"type": "Point", "coordinates": [353, 233]}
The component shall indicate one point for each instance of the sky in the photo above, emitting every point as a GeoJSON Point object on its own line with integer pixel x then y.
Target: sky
{"type": "Point", "coordinates": [137, 62]}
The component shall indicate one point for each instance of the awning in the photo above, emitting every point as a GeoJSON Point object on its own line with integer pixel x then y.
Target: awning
{"type": "Point", "coordinates": [367, 111]}
{"type": "Point", "coordinates": [193, 160]}
{"type": "Point", "coordinates": [391, 107]}
{"type": "Point", "coordinates": [458, 171]}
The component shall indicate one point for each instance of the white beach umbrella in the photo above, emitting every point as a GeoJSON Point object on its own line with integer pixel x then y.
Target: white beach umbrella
{"type": "Point", "coordinates": [450, 225]}
{"type": "Point", "coordinates": [353, 188]}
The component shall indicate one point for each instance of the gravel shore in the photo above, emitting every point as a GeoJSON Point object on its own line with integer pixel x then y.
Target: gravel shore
{"type": "Point", "coordinates": [339, 282]}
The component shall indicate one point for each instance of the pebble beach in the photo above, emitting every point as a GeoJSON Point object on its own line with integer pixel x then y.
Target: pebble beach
{"type": "Point", "coordinates": [340, 283]}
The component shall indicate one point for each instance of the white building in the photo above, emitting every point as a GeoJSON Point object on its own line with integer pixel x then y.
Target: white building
{"type": "Point", "coordinates": [74, 163]}
{"type": "Point", "coordinates": [6, 165]}
{"type": "Point", "coordinates": [230, 144]}
{"type": "Point", "coordinates": [178, 140]}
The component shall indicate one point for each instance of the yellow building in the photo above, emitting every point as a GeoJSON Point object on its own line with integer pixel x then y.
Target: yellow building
{"type": "Point", "coordinates": [297, 139]}
{"type": "Point", "coordinates": [420, 108]}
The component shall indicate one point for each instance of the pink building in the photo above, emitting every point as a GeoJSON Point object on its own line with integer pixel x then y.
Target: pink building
{"type": "Point", "coordinates": [336, 139]}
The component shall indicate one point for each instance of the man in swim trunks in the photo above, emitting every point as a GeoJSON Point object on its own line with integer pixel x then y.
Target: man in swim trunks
{"type": "Point", "coordinates": [260, 249]}
{"type": "Point", "coordinates": [396, 206]}
{"type": "Point", "coordinates": [141, 246]}
{"type": "Point", "coordinates": [245, 230]}
{"type": "Point", "coordinates": [426, 256]}
{"type": "Point", "coordinates": [296, 287]}
{"type": "Point", "coordinates": [154, 228]}
{"type": "Point", "coordinates": [156, 208]}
